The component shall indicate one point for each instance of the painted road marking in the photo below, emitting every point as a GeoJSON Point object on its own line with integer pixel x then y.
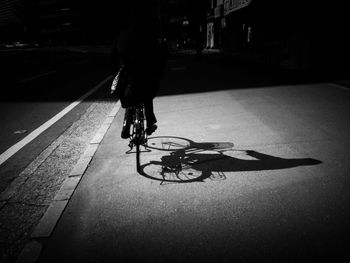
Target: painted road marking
{"type": "Point", "coordinates": [19, 145]}
{"type": "Point", "coordinates": [339, 86]}
{"type": "Point", "coordinates": [32, 250]}
{"type": "Point", "coordinates": [36, 76]}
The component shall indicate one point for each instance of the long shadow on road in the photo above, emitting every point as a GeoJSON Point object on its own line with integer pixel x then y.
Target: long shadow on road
{"type": "Point", "coordinates": [188, 161]}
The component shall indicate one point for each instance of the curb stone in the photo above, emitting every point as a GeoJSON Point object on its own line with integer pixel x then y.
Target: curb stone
{"type": "Point", "coordinates": [32, 250]}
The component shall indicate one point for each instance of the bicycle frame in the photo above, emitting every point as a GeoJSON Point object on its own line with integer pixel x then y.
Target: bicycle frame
{"type": "Point", "coordinates": [138, 136]}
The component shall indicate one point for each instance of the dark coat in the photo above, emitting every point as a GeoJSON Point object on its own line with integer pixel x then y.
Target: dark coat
{"type": "Point", "coordinates": [144, 58]}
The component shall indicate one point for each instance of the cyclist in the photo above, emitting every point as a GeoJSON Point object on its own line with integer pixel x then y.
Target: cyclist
{"type": "Point", "coordinates": [145, 56]}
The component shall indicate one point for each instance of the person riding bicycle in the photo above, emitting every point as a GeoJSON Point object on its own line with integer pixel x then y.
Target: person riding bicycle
{"type": "Point", "coordinates": [138, 48]}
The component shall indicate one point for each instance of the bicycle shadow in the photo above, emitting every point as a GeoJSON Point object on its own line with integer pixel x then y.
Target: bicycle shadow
{"type": "Point", "coordinates": [197, 162]}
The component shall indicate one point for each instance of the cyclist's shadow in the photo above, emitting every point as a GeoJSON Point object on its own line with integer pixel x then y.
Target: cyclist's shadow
{"type": "Point", "coordinates": [197, 162]}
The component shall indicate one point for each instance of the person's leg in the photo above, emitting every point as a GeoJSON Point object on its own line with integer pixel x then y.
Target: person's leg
{"type": "Point", "coordinates": [150, 117]}
{"type": "Point", "coordinates": [126, 123]}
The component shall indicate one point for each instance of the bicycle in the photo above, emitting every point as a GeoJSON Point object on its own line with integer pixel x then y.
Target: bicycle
{"type": "Point", "coordinates": [138, 136]}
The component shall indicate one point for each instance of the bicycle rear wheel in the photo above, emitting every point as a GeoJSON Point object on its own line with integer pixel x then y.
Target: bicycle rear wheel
{"type": "Point", "coordinates": [138, 159]}
{"type": "Point", "coordinates": [139, 134]}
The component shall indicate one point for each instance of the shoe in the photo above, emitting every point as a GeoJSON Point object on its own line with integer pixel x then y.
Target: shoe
{"type": "Point", "coordinates": [125, 131]}
{"type": "Point", "coordinates": [151, 129]}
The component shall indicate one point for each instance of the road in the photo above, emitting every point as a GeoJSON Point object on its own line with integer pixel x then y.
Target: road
{"type": "Point", "coordinates": [265, 178]}
{"type": "Point", "coordinates": [37, 85]}
{"type": "Point", "coordinates": [197, 84]}
{"type": "Point", "coordinates": [41, 112]}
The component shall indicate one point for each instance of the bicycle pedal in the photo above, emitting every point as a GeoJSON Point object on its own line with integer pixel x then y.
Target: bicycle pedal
{"type": "Point", "coordinates": [130, 150]}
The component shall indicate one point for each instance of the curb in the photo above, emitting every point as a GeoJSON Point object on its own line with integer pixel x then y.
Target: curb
{"type": "Point", "coordinates": [32, 250]}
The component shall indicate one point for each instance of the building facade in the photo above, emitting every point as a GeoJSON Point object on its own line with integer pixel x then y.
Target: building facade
{"type": "Point", "coordinates": [12, 21]}
{"type": "Point", "coordinates": [61, 22]}
{"type": "Point", "coordinates": [293, 34]}
{"type": "Point", "coordinates": [78, 22]}
{"type": "Point", "coordinates": [270, 31]}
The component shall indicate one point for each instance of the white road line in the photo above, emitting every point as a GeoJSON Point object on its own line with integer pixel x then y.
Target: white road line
{"type": "Point", "coordinates": [338, 86]}
{"type": "Point", "coordinates": [36, 76]}
{"type": "Point", "coordinates": [18, 146]}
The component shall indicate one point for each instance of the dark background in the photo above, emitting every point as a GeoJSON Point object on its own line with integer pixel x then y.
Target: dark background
{"type": "Point", "coordinates": [301, 35]}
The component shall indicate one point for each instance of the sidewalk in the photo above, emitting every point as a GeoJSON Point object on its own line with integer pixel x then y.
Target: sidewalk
{"type": "Point", "coordinates": [265, 177]}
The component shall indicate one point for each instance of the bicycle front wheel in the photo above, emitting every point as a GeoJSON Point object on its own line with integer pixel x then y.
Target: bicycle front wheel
{"type": "Point", "coordinates": [169, 143]}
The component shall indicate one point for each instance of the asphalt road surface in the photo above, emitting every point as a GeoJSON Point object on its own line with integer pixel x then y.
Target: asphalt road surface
{"type": "Point", "coordinates": [231, 214]}
{"type": "Point", "coordinates": [37, 85]}
{"type": "Point", "coordinates": [247, 165]}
